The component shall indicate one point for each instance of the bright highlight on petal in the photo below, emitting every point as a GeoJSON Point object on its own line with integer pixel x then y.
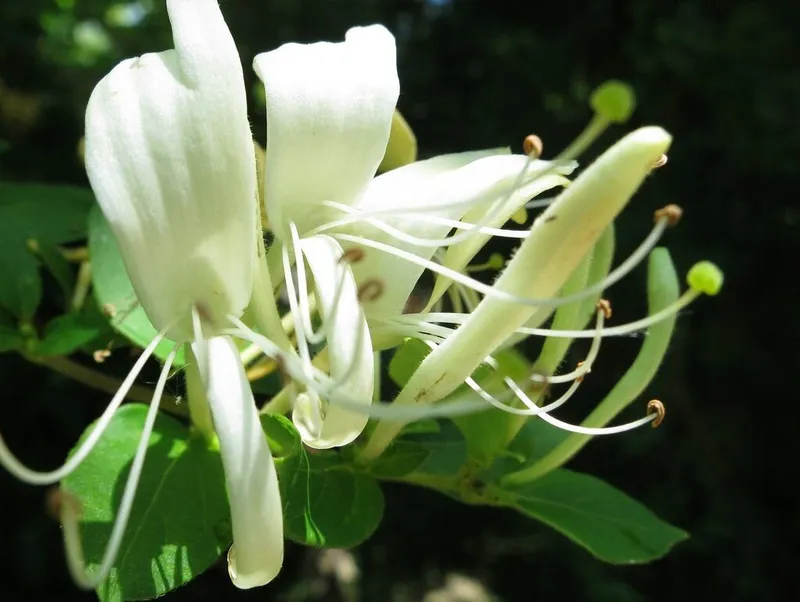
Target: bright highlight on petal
{"type": "Point", "coordinates": [170, 157]}
{"type": "Point", "coordinates": [329, 111]}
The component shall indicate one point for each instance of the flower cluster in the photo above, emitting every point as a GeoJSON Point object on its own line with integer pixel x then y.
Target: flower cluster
{"type": "Point", "coordinates": [170, 156]}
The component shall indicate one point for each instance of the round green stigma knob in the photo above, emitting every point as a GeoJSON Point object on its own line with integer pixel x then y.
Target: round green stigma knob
{"type": "Point", "coordinates": [496, 262]}
{"type": "Point", "coordinates": [705, 277]}
{"type": "Point", "coordinates": [614, 100]}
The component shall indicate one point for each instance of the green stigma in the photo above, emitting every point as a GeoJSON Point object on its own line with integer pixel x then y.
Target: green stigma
{"type": "Point", "coordinates": [613, 100]}
{"type": "Point", "coordinates": [705, 277]}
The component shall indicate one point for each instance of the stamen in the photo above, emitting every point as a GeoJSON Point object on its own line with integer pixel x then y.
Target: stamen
{"type": "Point", "coordinates": [584, 367]}
{"type": "Point", "coordinates": [654, 406]}
{"type": "Point", "coordinates": [71, 519]}
{"type": "Point", "coordinates": [33, 477]}
{"type": "Point", "coordinates": [469, 229]}
{"type": "Point", "coordinates": [352, 255]}
{"type": "Point", "coordinates": [613, 277]}
{"type": "Point", "coordinates": [608, 430]}
{"type": "Point", "coordinates": [291, 293]}
{"type": "Point", "coordinates": [533, 146]}
{"type": "Point", "coordinates": [672, 213]}
{"type": "Point", "coordinates": [370, 290]}
{"type": "Point", "coordinates": [662, 161]}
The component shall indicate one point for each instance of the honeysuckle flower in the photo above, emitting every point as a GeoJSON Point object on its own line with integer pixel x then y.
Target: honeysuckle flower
{"type": "Point", "coordinates": [366, 240]}
{"type": "Point", "coordinates": [169, 155]}
{"type": "Point", "coordinates": [527, 290]}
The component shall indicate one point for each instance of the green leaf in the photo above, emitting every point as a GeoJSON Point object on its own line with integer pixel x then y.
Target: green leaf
{"type": "Point", "coordinates": [283, 438]}
{"type": "Point", "coordinates": [325, 503]}
{"type": "Point", "coordinates": [59, 267]}
{"type": "Point", "coordinates": [609, 524]}
{"type": "Point", "coordinates": [114, 291]}
{"type": "Point", "coordinates": [30, 215]}
{"type": "Point", "coordinates": [70, 332]}
{"type": "Point", "coordinates": [420, 456]}
{"type": "Point", "coordinates": [180, 523]}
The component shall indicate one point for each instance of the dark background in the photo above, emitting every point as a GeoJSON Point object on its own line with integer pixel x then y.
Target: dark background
{"type": "Point", "coordinates": [723, 77]}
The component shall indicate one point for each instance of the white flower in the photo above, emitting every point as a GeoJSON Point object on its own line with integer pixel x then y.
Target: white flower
{"type": "Point", "coordinates": [169, 155]}
{"type": "Point", "coordinates": [366, 240]}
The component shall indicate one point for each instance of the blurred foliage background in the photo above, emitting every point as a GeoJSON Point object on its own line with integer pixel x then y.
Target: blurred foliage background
{"type": "Point", "coordinates": [724, 78]}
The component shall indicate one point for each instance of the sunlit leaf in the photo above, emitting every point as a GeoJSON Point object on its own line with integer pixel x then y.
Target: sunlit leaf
{"type": "Point", "coordinates": [180, 523]}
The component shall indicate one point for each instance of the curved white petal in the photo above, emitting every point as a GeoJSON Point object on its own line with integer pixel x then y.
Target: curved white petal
{"type": "Point", "coordinates": [256, 515]}
{"type": "Point", "coordinates": [169, 155]}
{"type": "Point", "coordinates": [329, 111]}
{"type": "Point", "coordinates": [349, 348]}
{"type": "Point", "coordinates": [472, 182]}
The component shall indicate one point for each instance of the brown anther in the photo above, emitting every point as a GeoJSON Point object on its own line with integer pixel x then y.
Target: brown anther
{"type": "Point", "coordinates": [672, 213]}
{"type": "Point", "coordinates": [101, 355]}
{"type": "Point", "coordinates": [662, 161]}
{"type": "Point", "coordinates": [55, 500]}
{"type": "Point", "coordinates": [654, 406]}
{"type": "Point", "coordinates": [533, 146]}
{"type": "Point", "coordinates": [604, 305]}
{"type": "Point", "coordinates": [370, 290]}
{"type": "Point", "coordinates": [352, 255]}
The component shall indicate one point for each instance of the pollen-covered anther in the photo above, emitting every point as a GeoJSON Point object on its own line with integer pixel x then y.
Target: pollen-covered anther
{"type": "Point", "coordinates": [654, 406]}
{"type": "Point", "coordinates": [352, 255]}
{"type": "Point", "coordinates": [370, 290]}
{"type": "Point", "coordinates": [533, 146]}
{"type": "Point", "coordinates": [672, 213]}
{"type": "Point", "coordinates": [56, 498]}
{"type": "Point", "coordinates": [604, 305]}
{"type": "Point", "coordinates": [662, 161]}
{"type": "Point", "coordinates": [101, 355]}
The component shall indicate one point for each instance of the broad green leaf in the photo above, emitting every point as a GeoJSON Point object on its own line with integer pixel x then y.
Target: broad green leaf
{"type": "Point", "coordinates": [70, 332]}
{"type": "Point", "coordinates": [180, 523]}
{"type": "Point", "coordinates": [325, 503]}
{"type": "Point", "coordinates": [33, 214]}
{"type": "Point", "coordinates": [114, 291]}
{"type": "Point", "coordinates": [609, 524]}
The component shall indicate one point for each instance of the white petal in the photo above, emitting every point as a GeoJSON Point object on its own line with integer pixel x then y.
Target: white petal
{"type": "Point", "coordinates": [348, 341]}
{"type": "Point", "coordinates": [256, 516]}
{"type": "Point", "coordinates": [169, 155]}
{"type": "Point", "coordinates": [467, 180]}
{"type": "Point", "coordinates": [329, 110]}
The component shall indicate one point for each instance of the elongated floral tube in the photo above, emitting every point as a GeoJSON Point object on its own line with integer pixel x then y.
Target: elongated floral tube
{"type": "Point", "coordinates": [252, 483]}
{"type": "Point", "coordinates": [169, 155]}
{"type": "Point", "coordinates": [559, 240]}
